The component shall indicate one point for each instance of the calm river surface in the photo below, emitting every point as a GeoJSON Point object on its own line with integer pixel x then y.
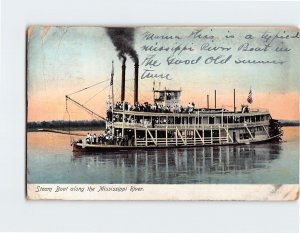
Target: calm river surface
{"type": "Point", "coordinates": [50, 160]}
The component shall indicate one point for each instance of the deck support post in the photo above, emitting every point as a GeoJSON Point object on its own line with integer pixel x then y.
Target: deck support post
{"type": "Point", "coordinates": [203, 133]}
{"type": "Point", "coordinates": [222, 120]}
{"type": "Point", "coordinates": [166, 136]}
{"type": "Point", "coordinates": [123, 130]}
{"type": "Point", "coordinates": [227, 138]}
{"type": "Point", "coordinates": [176, 136]}
{"type": "Point", "coordinates": [220, 135]}
{"type": "Point", "coordinates": [135, 139]}
{"type": "Point", "coordinates": [211, 135]}
{"type": "Point", "coordinates": [194, 136]}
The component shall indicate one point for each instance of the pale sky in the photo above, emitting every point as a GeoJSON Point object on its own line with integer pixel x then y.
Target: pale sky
{"type": "Point", "coordinates": [62, 60]}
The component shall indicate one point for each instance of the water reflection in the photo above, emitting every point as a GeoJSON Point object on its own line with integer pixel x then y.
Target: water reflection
{"type": "Point", "coordinates": [181, 165]}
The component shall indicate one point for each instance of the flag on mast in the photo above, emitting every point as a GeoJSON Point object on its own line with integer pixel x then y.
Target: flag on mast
{"type": "Point", "coordinates": [112, 73]}
{"type": "Point", "coordinates": [249, 99]}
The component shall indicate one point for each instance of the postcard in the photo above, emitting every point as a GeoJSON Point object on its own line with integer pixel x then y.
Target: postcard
{"type": "Point", "coordinates": [162, 113]}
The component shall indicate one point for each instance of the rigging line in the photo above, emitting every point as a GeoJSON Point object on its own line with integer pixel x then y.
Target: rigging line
{"type": "Point", "coordinates": [69, 121]}
{"type": "Point", "coordinates": [145, 98]}
{"type": "Point", "coordinates": [118, 93]}
{"type": "Point", "coordinates": [67, 112]}
{"type": "Point", "coordinates": [95, 94]}
{"type": "Point", "coordinates": [144, 85]}
{"type": "Point", "coordinates": [118, 90]}
{"type": "Point", "coordinates": [85, 109]}
{"type": "Point", "coordinates": [88, 87]}
{"type": "Point", "coordinates": [127, 92]}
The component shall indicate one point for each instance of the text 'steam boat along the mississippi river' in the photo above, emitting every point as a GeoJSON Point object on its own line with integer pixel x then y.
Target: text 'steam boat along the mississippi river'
{"type": "Point", "coordinates": [166, 124]}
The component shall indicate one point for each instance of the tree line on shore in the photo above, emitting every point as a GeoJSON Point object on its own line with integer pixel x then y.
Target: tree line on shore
{"type": "Point", "coordinates": [289, 122]}
{"type": "Point", "coordinates": [60, 124]}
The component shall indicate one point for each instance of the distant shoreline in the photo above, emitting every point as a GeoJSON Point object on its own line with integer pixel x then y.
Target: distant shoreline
{"type": "Point", "coordinates": [65, 126]}
{"type": "Point", "coordinates": [65, 129]}
{"type": "Point", "coordinates": [287, 123]}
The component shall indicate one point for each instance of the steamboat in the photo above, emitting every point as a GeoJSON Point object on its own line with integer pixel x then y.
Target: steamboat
{"type": "Point", "coordinates": [165, 123]}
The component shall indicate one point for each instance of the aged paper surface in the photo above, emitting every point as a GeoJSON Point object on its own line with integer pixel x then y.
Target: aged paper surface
{"type": "Point", "coordinates": [163, 113]}
{"type": "Point", "coordinates": [211, 192]}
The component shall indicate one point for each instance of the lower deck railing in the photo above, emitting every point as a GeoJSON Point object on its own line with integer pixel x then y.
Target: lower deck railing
{"type": "Point", "coordinates": [181, 141]}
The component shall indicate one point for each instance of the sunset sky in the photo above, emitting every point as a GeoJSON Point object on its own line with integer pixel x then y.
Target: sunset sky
{"type": "Point", "coordinates": [62, 60]}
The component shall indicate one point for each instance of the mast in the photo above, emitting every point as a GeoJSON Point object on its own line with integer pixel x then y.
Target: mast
{"type": "Point", "coordinates": [207, 99]}
{"type": "Point", "coordinates": [234, 100]}
{"type": "Point", "coordinates": [215, 98]}
{"type": "Point", "coordinates": [154, 92]}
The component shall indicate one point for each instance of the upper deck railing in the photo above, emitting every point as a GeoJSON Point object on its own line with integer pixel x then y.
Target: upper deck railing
{"type": "Point", "coordinates": [196, 112]}
{"type": "Point", "coordinates": [189, 126]}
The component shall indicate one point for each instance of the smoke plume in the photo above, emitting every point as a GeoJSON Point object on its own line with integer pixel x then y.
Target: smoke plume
{"type": "Point", "coordinates": [123, 40]}
{"type": "Point", "coordinates": [123, 59]}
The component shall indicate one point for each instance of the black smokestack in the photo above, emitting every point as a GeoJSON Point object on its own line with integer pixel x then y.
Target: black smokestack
{"type": "Point", "coordinates": [123, 40]}
{"type": "Point", "coordinates": [123, 78]}
{"type": "Point", "coordinates": [136, 82]}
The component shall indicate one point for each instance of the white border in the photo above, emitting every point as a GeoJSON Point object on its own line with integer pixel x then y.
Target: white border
{"type": "Point", "coordinates": [16, 213]}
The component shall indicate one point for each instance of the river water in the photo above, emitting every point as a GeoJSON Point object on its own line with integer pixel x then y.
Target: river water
{"type": "Point", "coordinates": [50, 160]}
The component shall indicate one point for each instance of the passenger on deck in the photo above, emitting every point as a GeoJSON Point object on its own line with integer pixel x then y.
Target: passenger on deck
{"type": "Point", "coordinates": [147, 107]}
{"type": "Point", "coordinates": [91, 139]}
{"type": "Point", "coordinates": [88, 138]}
{"type": "Point", "coordinates": [153, 123]}
{"type": "Point", "coordinates": [101, 139]}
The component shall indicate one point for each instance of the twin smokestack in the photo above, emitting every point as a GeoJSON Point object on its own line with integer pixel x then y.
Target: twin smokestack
{"type": "Point", "coordinates": [136, 81]}
{"type": "Point", "coordinates": [123, 40]}
{"type": "Point", "coordinates": [123, 79]}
